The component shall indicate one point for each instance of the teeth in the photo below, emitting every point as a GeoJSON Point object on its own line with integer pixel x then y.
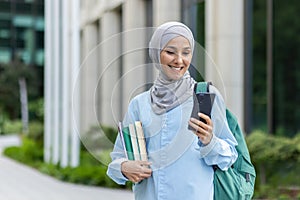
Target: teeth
{"type": "Point", "coordinates": [176, 68]}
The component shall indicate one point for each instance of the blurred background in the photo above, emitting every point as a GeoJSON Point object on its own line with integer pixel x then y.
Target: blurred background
{"type": "Point", "coordinates": [69, 68]}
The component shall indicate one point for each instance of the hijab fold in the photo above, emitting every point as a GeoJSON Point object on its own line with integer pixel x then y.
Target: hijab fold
{"type": "Point", "coordinates": [166, 94]}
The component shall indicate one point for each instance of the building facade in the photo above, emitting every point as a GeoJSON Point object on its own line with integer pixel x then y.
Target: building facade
{"type": "Point", "coordinates": [22, 31]}
{"type": "Point", "coordinates": [97, 60]}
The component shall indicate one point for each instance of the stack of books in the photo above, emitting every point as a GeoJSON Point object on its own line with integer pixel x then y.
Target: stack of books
{"type": "Point", "coordinates": [133, 141]}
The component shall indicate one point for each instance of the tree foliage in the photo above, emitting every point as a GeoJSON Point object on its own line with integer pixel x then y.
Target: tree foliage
{"type": "Point", "coordinates": [9, 86]}
{"type": "Point", "coordinates": [286, 65]}
{"type": "Point", "coordinates": [286, 73]}
{"type": "Point", "coordinates": [277, 162]}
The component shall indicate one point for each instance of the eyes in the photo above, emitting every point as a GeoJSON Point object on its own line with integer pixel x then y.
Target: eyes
{"type": "Point", "coordinates": [172, 52]}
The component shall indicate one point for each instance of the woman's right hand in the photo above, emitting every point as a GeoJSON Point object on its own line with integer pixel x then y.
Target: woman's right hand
{"type": "Point", "coordinates": [136, 170]}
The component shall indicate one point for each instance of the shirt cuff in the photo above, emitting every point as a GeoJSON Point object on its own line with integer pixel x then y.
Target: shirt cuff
{"type": "Point", "coordinates": [206, 149]}
{"type": "Point", "coordinates": [114, 171]}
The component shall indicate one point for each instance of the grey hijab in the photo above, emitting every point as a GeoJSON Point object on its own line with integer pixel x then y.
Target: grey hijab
{"type": "Point", "coordinates": [166, 94]}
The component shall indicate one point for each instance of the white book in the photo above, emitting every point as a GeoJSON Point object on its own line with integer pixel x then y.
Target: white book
{"type": "Point", "coordinates": [141, 140]}
{"type": "Point", "coordinates": [120, 128]}
{"type": "Point", "coordinates": [134, 142]}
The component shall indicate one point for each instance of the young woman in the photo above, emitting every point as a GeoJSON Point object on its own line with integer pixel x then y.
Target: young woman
{"type": "Point", "coordinates": [180, 160]}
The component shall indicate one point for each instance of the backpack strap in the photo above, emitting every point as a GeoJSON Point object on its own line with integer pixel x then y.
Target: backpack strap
{"type": "Point", "coordinates": [202, 87]}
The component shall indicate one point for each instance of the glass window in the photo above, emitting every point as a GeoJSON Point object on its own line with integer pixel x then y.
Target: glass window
{"type": "Point", "coordinates": [39, 23]}
{"type": "Point", "coordinates": [5, 6]}
{"type": "Point", "coordinates": [5, 33]}
{"type": "Point", "coordinates": [39, 57]}
{"type": "Point", "coordinates": [39, 39]}
{"type": "Point", "coordinates": [23, 8]}
{"type": "Point", "coordinates": [5, 55]}
{"type": "Point", "coordinates": [5, 23]}
{"type": "Point", "coordinates": [23, 21]}
{"type": "Point", "coordinates": [22, 31]}
{"type": "Point", "coordinates": [40, 9]}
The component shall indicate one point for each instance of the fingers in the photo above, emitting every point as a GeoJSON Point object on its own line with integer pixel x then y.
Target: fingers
{"type": "Point", "coordinates": [206, 118]}
{"type": "Point", "coordinates": [144, 163]}
{"type": "Point", "coordinates": [202, 130]}
{"type": "Point", "coordinates": [200, 126]}
{"type": "Point", "coordinates": [136, 171]}
{"type": "Point", "coordinates": [145, 167]}
{"type": "Point", "coordinates": [137, 177]}
{"type": "Point", "coordinates": [194, 124]}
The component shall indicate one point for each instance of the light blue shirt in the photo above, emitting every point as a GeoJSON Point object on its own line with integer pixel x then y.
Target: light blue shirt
{"type": "Point", "coordinates": [181, 164]}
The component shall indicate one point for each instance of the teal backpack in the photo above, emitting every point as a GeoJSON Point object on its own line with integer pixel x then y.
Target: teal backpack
{"type": "Point", "coordinates": [237, 183]}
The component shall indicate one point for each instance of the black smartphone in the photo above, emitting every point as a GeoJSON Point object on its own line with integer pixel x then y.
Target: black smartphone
{"type": "Point", "coordinates": [203, 103]}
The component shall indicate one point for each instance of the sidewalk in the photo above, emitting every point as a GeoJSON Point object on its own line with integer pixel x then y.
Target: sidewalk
{"type": "Point", "coordinates": [20, 182]}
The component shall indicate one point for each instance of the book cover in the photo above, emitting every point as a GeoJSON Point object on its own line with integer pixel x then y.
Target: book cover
{"type": "Point", "coordinates": [122, 138]}
{"type": "Point", "coordinates": [127, 141]}
{"type": "Point", "coordinates": [134, 142]}
{"type": "Point", "coordinates": [141, 140]}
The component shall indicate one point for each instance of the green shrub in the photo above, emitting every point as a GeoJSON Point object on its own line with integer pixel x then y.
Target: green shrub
{"type": "Point", "coordinates": [2, 121]}
{"type": "Point", "coordinates": [36, 109]}
{"type": "Point", "coordinates": [110, 132]}
{"type": "Point", "coordinates": [36, 128]}
{"type": "Point", "coordinates": [87, 159]}
{"type": "Point", "coordinates": [51, 169]}
{"type": "Point", "coordinates": [13, 152]}
{"type": "Point", "coordinates": [36, 131]}
{"type": "Point", "coordinates": [277, 162]}
{"type": "Point", "coordinates": [14, 126]}
{"type": "Point", "coordinates": [29, 152]}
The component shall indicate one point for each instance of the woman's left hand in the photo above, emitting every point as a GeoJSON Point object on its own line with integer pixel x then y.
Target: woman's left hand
{"type": "Point", "coordinates": [201, 129]}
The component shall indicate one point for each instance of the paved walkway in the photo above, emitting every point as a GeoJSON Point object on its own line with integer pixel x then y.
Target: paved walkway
{"type": "Point", "coordinates": [20, 182]}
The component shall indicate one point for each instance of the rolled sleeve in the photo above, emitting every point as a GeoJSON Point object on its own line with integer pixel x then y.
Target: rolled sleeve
{"type": "Point", "coordinates": [115, 173]}
{"type": "Point", "coordinates": [114, 168]}
{"type": "Point", "coordinates": [206, 149]}
{"type": "Point", "coordinates": [218, 152]}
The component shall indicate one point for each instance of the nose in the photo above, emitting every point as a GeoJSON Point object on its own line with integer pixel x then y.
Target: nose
{"type": "Point", "coordinates": [179, 58]}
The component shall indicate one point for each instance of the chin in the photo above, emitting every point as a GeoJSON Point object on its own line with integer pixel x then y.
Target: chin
{"type": "Point", "coordinates": [176, 78]}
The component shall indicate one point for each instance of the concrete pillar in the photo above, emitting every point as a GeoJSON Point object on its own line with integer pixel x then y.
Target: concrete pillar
{"type": "Point", "coordinates": [89, 77]}
{"type": "Point", "coordinates": [164, 11]}
{"type": "Point", "coordinates": [66, 92]}
{"type": "Point", "coordinates": [134, 50]}
{"type": "Point", "coordinates": [75, 98]}
{"type": "Point", "coordinates": [48, 74]}
{"type": "Point", "coordinates": [61, 54]}
{"type": "Point", "coordinates": [224, 44]}
{"type": "Point", "coordinates": [110, 88]}
{"type": "Point", "coordinates": [56, 83]}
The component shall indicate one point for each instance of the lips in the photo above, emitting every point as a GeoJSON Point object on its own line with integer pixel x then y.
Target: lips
{"type": "Point", "coordinates": [175, 68]}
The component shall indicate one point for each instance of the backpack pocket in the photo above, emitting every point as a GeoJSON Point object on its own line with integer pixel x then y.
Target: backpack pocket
{"type": "Point", "coordinates": [237, 183]}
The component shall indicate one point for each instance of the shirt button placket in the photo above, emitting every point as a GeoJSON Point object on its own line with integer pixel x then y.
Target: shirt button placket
{"type": "Point", "coordinates": [163, 157]}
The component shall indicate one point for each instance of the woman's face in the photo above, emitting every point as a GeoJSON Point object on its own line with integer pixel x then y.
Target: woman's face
{"type": "Point", "coordinates": [176, 57]}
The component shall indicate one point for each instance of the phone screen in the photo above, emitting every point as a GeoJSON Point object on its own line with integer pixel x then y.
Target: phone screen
{"type": "Point", "coordinates": [202, 103]}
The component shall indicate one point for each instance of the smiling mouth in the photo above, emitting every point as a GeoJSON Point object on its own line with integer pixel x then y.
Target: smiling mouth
{"type": "Point", "coordinates": [176, 68]}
